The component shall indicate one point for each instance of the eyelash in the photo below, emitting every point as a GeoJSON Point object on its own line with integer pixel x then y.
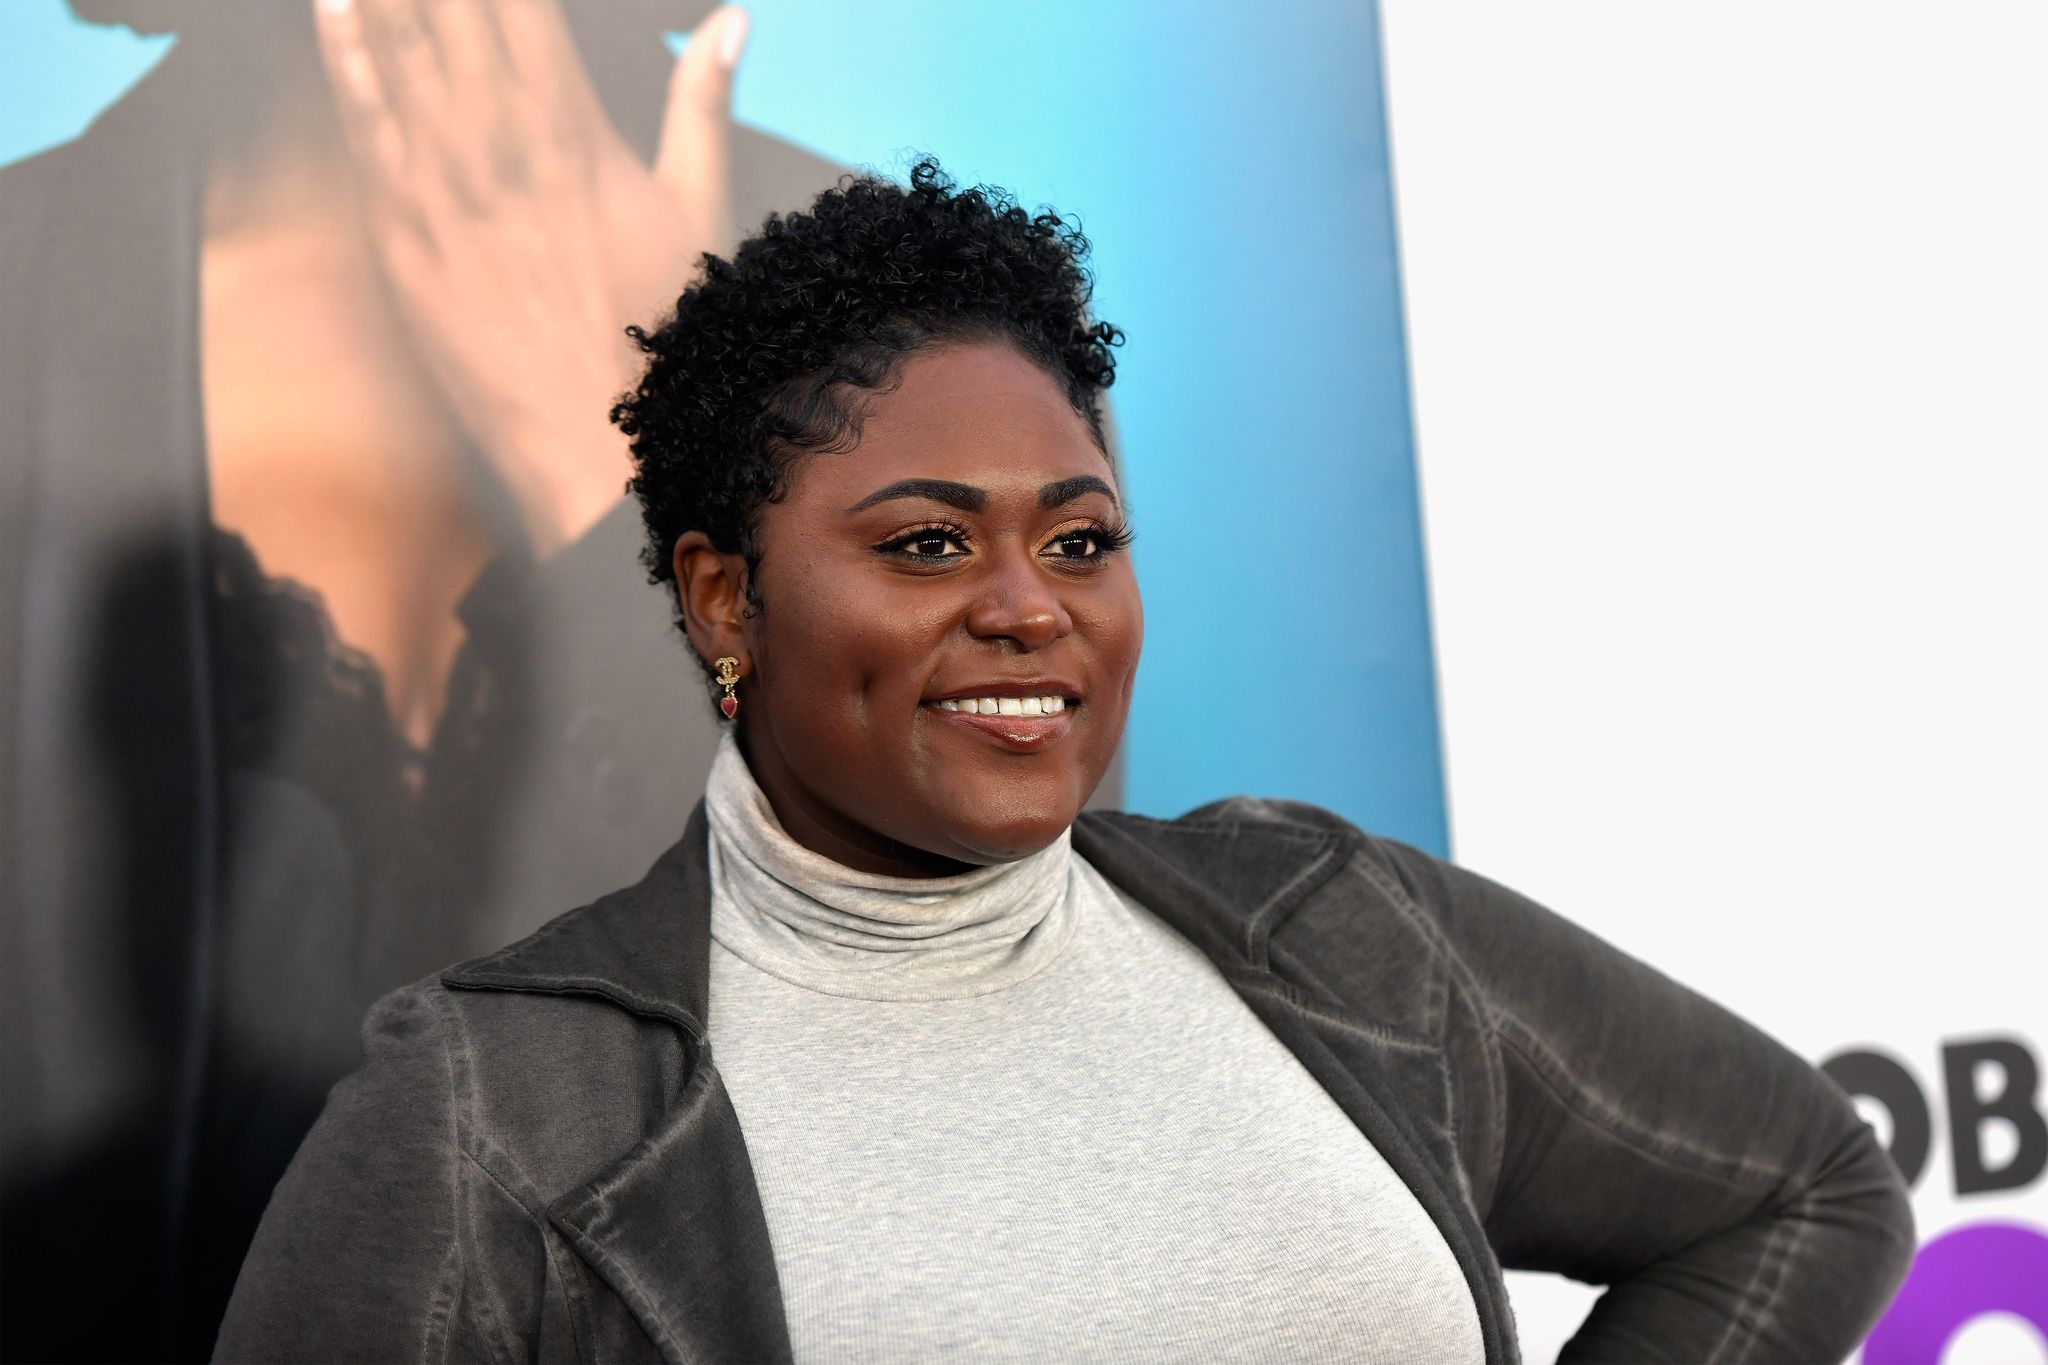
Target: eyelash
{"type": "Point", "coordinates": [1109, 539]}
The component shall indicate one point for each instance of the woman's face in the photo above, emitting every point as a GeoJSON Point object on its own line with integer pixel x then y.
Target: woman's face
{"type": "Point", "coordinates": [965, 551]}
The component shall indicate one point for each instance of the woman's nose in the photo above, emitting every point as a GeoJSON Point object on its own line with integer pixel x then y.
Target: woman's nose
{"type": "Point", "coordinates": [1019, 604]}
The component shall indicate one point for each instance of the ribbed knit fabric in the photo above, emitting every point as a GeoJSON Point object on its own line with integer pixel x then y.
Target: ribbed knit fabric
{"type": "Point", "coordinates": [807, 920]}
{"type": "Point", "coordinates": [1014, 1116]}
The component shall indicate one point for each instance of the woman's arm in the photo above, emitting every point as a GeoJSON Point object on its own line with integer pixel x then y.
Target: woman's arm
{"type": "Point", "coordinates": [1626, 1131]}
{"type": "Point", "coordinates": [358, 1255]}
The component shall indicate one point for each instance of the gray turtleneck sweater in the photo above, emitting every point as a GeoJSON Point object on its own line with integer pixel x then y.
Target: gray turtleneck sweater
{"type": "Point", "coordinates": [1012, 1115]}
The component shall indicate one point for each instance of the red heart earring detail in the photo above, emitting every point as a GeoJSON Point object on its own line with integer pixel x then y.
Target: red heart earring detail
{"type": "Point", "coordinates": [728, 674]}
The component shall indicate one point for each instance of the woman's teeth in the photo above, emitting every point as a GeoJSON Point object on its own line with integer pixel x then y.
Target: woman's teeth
{"type": "Point", "coordinates": [1006, 706]}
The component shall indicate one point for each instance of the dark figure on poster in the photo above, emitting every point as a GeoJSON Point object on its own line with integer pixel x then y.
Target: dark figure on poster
{"type": "Point", "coordinates": [326, 659]}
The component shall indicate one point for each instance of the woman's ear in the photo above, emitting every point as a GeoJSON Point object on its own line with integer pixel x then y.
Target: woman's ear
{"type": "Point", "coordinates": [712, 588]}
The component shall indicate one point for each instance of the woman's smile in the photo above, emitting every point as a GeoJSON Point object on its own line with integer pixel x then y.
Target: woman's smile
{"type": "Point", "coordinates": [1025, 718]}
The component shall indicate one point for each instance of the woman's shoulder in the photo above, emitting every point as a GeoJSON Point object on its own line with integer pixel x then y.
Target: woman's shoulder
{"type": "Point", "coordinates": [1262, 859]}
{"type": "Point", "coordinates": [1267, 813]}
{"type": "Point", "coordinates": [497, 1071]}
{"type": "Point", "coordinates": [1244, 828]}
{"type": "Point", "coordinates": [546, 1018]}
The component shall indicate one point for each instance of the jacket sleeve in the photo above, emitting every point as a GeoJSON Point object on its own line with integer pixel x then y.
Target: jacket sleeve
{"type": "Point", "coordinates": [357, 1257]}
{"type": "Point", "coordinates": [1644, 1138]}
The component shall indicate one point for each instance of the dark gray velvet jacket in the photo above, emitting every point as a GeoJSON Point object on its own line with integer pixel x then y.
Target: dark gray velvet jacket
{"type": "Point", "coordinates": [538, 1159]}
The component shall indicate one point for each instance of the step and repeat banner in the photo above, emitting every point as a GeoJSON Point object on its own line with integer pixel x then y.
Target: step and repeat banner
{"type": "Point", "coordinates": [1730, 467]}
{"type": "Point", "coordinates": [1729, 329]}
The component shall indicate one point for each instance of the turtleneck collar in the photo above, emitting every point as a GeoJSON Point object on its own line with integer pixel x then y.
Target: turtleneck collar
{"type": "Point", "coordinates": [799, 916]}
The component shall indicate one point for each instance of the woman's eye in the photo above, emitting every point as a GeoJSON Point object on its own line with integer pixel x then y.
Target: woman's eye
{"type": "Point", "coordinates": [1088, 545]}
{"type": "Point", "coordinates": [928, 544]}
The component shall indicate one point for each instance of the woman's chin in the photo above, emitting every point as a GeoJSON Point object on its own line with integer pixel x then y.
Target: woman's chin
{"type": "Point", "coordinates": [1009, 840]}
{"type": "Point", "coordinates": [982, 818]}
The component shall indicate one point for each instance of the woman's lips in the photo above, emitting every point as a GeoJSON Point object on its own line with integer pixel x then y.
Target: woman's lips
{"type": "Point", "coordinates": [1018, 733]}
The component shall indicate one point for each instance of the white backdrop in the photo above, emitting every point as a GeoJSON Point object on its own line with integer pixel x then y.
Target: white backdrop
{"type": "Point", "coordinates": [1729, 331]}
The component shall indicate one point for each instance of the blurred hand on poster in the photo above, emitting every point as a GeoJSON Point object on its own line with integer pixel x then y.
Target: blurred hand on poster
{"type": "Point", "coordinates": [518, 231]}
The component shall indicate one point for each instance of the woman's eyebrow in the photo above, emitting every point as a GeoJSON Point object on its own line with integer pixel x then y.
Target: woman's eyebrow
{"type": "Point", "coordinates": [964, 496]}
{"type": "Point", "coordinates": [1066, 490]}
{"type": "Point", "coordinates": [968, 498]}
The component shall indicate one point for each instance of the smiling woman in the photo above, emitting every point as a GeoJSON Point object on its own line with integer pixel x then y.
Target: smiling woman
{"type": "Point", "coordinates": [995, 1078]}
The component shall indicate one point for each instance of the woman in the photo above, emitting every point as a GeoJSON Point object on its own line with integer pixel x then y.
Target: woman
{"type": "Point", "coordinates": [899, 1055]}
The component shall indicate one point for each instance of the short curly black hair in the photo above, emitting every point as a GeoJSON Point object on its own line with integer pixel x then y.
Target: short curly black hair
{"type": "Point", "coordinates": [766, 357]}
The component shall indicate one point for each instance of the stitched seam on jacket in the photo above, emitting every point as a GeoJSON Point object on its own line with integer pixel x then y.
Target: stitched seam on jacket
{"type": "Point", "coordinates": [474, 1148]}
{"type": "Point", "coordinates": [572, 1296]}
{"type": "Point", "coordinates": [1752, 1318]}
{"type": "Point", "coordinates": [489, 1157]}
{"type": "Point", "coordinates": [1450, 1102]}
{"type": "Point", "coordinates": [1282, 904]}
{"type": "Point", "coordinates": [595, 1253]}
{"type": "Point", "coordinates": [532, 1204]}
{"type": "Point", "coordinates": [487, 1302]}
{"type": "Point", "coordinates": [583, 986]}
{"type": "Point", "coordinates": [1361, 1028]}
{"type": "Point", "coordinates": [441, 1311]}
{"type": "Point", "coordinates": [1454, 966]}
{"type": "Point", "coordinates": [518, 1200]}
{"type": "Point", "coordinates": [455, 1263]}
{"type": "Point", "coordinates": [1589, 1104]}
{"type": "Point", "coordinates": [1457, 1117]}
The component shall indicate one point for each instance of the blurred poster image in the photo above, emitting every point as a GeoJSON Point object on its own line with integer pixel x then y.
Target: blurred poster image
{"type": "Point", "coordinates": [327, 654]}
{"type": "Point", "coordinates": [330, 659]}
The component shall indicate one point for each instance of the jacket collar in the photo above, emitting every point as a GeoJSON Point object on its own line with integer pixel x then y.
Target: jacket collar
{"type": "Point", "coordinates": [646, 948]}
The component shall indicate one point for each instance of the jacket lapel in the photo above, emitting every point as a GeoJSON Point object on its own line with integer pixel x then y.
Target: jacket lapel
{"type": "Point", "coordinates": [675, 1225]}
{"type": "Point", "coordinates": [676, 1229]}
{"type": "Point", "coordinates": [1227, 887]}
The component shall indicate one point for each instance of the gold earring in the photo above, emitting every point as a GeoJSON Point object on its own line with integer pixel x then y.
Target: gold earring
{"type": "Point", "coordinates": [728, 674]}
